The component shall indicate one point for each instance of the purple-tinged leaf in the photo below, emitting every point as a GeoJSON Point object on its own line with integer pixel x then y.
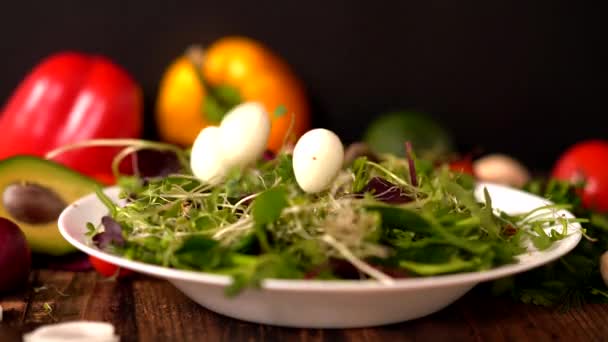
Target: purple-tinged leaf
{"type": "Point", "coordinates": [345, 270]}
{"type": "Point", "coordinates": [155, 164]}
{"type": "Point", "coordinates": [339, 267]}
{"type": "Point", "coordinates": [393, 272]}
{"type": "Point", "coordinates": [268, 155]}
{"type": "Point", "coordinates": [386, 191]}
{"type": "Point", "coordinates": [112, 234]}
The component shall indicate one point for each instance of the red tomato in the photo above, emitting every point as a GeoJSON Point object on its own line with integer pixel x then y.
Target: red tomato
{"type": "Point", "coordinates": [587, 161]}
{"type": "Point", "coordinates": [108, 270]}
{"type": "Point", "coordinates": [464, 165]}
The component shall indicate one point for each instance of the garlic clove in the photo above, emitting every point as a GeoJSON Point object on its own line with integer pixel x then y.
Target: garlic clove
{"type": "Point", "coordinates": [604, 267]}
{"type": "Point", "coordinates": [73, 331]}
{"type": "Point", "coordinates": [501, 169]}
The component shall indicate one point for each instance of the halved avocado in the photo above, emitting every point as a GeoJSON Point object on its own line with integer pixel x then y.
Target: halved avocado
{"type": "Point", "coordinates": [33, 191]}
{"type": "Point", "coordinates": [389, 132]}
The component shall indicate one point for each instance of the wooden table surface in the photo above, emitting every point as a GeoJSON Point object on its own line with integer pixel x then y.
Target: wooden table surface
{"type": "Point", "coordinates": [147, 309]}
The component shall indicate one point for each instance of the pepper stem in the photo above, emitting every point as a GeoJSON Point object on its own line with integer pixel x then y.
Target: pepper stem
{"type": "Point", "coordinates": [196, 55]}
{"type": "Point", "coordinates": [217, 100]}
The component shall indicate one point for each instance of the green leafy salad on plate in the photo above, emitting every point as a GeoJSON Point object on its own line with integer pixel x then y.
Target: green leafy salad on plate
{"type": "Point", "coordinates": [310, 213]}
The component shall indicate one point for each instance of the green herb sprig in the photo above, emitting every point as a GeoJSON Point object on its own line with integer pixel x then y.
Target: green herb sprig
{"type": "Point", "coordinates": [258, 224]}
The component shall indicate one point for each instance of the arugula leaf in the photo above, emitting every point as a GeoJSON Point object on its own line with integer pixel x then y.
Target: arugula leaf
{"type": "Point", "coordinates": [485, 214]}
{"type": "Point", "coordinates": [421, 223]}
{"type": "Point", "coordinates": [255, 270]}
{"type": "Point", "coordinates": [267, 207]}
{"type": "Point", "coordinates": [200, 253]}
{"type": "Point", "coordinates": [540, 240]}
{"type": "Point", "coordinates": [401, 218]}
{"type": "Point", "coordinates": [361, 172]}
{"type": "Point", "coordinates": [284, 169]}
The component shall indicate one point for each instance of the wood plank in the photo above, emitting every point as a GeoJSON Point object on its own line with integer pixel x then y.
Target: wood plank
{"type": "Point", "coordinates": [57, 296]}
{"type": "Point", "coordinates": [162, 314]}
{"type": "Point", "coordinates": [446, 324]}
{"type": "Point", "coordinates": [15, 304]}
{"type": "Point", "coordinates": [153, 298]}
{"type": "Point", "coordinates": [147, 309]}
{"type": "Point", "coordinates": [112, 301]}
{"type": "Point", "coordinates": [502, 319]}
{"type": "Point", "coordinates": [14, 307]}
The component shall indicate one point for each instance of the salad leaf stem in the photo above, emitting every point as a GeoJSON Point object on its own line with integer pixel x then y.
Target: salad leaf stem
{"type": "Point", "coordinates": [454, 265]}
{"type": "Point", "coordinates": [358, 263]}
{"type": "Point", "coordinates": [112, 208]}
{"type": "Point", "coordinates": [131, 144]}
{"type": "Point", "coordinates": [388, 173]}
{"type": "Point", "coordinates": [409, 153]}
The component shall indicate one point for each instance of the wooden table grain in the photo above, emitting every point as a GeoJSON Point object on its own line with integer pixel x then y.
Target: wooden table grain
{"type": "Point", "coordinates": [147, 309]}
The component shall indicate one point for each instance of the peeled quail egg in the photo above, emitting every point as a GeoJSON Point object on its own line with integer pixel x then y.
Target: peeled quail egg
{"type": "Point", "coordinates": [205, 158]}
{"type": "Point", "coordinates": [239, 140]}
{"type": "Point", "coordinates": [317, 159]}
{"type": "Point", "coordinates": [244, 134]}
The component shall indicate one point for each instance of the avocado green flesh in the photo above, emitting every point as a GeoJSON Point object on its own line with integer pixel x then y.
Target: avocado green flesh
{"type": "Point", "coordinates": [68, 184]}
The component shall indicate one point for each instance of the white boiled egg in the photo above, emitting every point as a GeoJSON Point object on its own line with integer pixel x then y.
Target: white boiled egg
{"type": "Point", "coordinates": [244, 134]}
{"type": "Point", "coordinates": [206, 158]}
{"type": "Point", "coordinates": [317, 159]}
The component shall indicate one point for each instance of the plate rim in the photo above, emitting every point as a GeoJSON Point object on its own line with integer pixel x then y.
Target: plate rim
{"type": "Point", "coordinates": [464, 278]}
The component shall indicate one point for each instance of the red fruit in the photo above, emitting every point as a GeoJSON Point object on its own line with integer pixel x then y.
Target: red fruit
{"type": "Point", "coordinates": [71, 97]}
{"type": "Point", "coordinates": [587, 161]}
{"type": "Point", "coordinates": [15, 256]}
{"type": "Point", "coordinates": [108, 270]}
{"type": "Point", "coordinates": [464, 165]}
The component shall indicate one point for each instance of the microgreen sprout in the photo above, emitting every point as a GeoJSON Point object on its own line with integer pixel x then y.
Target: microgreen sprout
{"type": "Point", "coordinates": [375, 216]}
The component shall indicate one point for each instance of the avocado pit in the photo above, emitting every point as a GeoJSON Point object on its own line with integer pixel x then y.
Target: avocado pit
{"type": "Point", "coordinates": [32, 203]}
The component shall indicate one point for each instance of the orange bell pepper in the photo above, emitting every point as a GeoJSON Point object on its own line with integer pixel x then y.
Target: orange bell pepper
{"type": "Point", "coordinates": [201, 86]}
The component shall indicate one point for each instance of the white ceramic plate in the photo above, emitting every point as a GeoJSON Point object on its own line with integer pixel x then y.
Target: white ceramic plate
{"type": "Point", "coordinates": [326, 304]}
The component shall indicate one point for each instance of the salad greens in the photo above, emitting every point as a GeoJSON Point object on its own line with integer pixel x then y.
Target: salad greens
{"type": "Point", "coordinates": [378, 220]}
{"type": "Point", "coordinates": [575, 278]}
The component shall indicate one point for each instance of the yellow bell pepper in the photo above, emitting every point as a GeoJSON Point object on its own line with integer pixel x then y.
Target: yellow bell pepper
{"type": "Point", "coordinates": [201, 86]}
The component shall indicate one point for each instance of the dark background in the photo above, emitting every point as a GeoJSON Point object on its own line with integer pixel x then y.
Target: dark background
{"type": "Point", "coordinates": [520, 77]}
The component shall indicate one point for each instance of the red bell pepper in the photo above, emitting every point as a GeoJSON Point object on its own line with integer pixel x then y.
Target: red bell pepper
{"type": "Point", "coordinates": [71, 97]}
